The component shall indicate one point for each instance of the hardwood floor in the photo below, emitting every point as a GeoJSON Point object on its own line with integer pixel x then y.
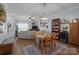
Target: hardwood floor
{"type": "Point", "coordinates": [19, 44]}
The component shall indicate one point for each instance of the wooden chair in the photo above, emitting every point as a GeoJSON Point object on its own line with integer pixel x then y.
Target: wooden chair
{"type": "Point", "coordinates": [37, 34]}
{"type": "Point", "coordinates": [53, 41]}
{"type": "Point", "coordinates": [47, 44]}
{"type": "Point", "coordinates": [54, 38]}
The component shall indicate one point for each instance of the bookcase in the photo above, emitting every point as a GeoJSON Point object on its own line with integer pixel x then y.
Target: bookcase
{"type": "Point", "coordinates": [56, 26]}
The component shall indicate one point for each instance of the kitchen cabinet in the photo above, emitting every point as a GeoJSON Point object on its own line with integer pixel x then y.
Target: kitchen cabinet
{"type": "Point", "coordinates": [74, 32]}
{"type": "Point", "coordinates": [6, 49]}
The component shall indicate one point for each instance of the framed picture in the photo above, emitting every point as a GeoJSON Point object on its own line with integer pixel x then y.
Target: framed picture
{"type": "Point", "coordinates": [43, 23]}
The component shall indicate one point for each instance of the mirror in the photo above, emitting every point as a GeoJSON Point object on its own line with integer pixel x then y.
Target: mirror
{"type": "Point", "coordinates": [2, 13]}
{"type": "Point", "coordinates": [2, 19]}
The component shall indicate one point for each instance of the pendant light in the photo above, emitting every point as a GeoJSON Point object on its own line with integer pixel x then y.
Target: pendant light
{"type": "Point", "coordinates": [43, 16]}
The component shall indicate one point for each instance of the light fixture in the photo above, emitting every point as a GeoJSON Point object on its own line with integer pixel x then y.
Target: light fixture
{"type": "Point", "coordinates": [31, 18]}
{"type": "Point", "coordinates": [43, 16]}
{"type": "Point", "coordinates": [75, 20]}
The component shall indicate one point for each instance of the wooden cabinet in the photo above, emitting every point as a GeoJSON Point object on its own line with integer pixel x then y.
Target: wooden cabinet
{"type": "Point", "coordinates": [74, 32]}
{"type": "Point", "coordinates": [56, 26]}
{"type": "Point", "coordinates": [6, 48]}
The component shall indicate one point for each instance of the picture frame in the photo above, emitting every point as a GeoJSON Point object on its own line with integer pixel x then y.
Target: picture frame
{"type": "Point", "coordinates": [43, 23]}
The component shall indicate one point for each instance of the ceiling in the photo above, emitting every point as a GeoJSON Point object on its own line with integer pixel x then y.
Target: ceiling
{"type": "Point", "coordinates": [36, 9]}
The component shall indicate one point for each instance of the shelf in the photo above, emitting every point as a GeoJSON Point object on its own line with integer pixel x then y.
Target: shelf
{"type": "Point", "coordinates": [56, 26]}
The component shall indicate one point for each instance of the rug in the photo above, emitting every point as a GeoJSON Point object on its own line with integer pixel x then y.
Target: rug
{"type": "Point", "coordinates": [31, 50]}
{"type": "Point", "coordinates": [60, 49]}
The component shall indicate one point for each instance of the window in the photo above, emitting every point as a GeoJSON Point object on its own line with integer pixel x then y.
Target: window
{"type": "Point", "coordinates": [22, 27]}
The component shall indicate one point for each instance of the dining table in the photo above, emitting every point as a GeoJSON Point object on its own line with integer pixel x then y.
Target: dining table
{"type": "Point", "coordinates": [40, 41]}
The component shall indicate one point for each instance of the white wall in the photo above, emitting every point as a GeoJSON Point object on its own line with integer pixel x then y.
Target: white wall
{"type": "Point", "coordinates": [12, 21]}
{"type": "Point", "coordinates": [9, 19]}
{"type": "Point", "coordinates": [23, 20]}
{"type": "Point", "coordinates": [37, 22]}
{"type": "Point", "coordinates": [11, 32]}
{"type": "Point", "coordinates": [44, 28]}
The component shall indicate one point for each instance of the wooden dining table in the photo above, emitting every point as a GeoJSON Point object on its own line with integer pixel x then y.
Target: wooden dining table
{"type": "Point", "coordinates": [41, 38]}
{"type": "Point", "coordinates": [40, 41]}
